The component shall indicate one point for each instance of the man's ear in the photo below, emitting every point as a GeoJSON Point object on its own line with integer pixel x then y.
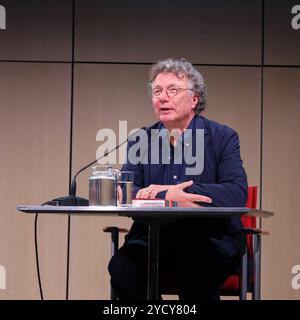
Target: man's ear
{"type": "Point", "coordinates": [195, 100]}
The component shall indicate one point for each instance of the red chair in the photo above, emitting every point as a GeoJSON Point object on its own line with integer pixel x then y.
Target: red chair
{"type": "Point", "coordinates": [249, 278]}
{"type": "Point", "coordinates": [235, 285]}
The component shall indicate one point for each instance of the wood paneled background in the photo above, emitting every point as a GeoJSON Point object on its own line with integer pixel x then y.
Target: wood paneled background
{"type": "Point", "coordinates": [70, 68]}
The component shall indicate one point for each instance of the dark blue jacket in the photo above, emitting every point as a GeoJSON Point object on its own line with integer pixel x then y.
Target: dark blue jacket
{"type": "Point", "coordinates": [223, 179]}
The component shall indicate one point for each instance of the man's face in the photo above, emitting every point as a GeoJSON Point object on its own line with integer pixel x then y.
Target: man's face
{"type": "Point", "coordinates": [174, 111]}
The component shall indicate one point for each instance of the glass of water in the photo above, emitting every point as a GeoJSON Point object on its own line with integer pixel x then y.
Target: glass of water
{"type": "Point", "coordinates": [125, 188]}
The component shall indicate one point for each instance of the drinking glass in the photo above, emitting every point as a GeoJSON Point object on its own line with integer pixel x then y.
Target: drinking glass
{"type": "Point", "coordinates": [125, 188]}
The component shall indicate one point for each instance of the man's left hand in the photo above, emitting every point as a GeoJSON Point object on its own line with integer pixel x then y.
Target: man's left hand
{"type": "Point", "coordinates": [185, 199]}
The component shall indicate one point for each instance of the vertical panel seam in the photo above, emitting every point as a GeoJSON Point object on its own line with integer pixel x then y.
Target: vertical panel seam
{"type": "Point", "coordinates": [71, 148]}
{"type": "Point", "coordinates": [262, 102]}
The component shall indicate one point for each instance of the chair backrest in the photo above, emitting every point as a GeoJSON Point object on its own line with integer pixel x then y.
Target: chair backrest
{"type": "Point", "coordinates": [250, 222]}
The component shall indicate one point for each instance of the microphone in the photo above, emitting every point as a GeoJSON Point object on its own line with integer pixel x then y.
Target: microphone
{"type": "Point", "coordinates": [72, 199]}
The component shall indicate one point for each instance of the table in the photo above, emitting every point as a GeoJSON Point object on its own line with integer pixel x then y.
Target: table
{"type": "Point", "coordinates": [152, 217]}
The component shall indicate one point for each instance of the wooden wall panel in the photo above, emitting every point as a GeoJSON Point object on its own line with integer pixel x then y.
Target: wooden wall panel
{"type": "Point", "coordinates": [281, 175]}
{"type": "Point", "coordinates": [34, 158]}
{"type": "Point", "coordinates": [201, 31]}
{"type": "Point", "coordinates": [234, 100]}
{"type": "Point", "coordinates": [37, 30]}
{"type": "Point", "coordinates": [282, 41]}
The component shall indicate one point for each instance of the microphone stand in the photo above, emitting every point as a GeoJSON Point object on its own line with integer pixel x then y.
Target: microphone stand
{"type": "Point", "coordinates": [72, 199]}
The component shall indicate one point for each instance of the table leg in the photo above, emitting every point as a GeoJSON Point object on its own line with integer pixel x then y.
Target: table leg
{"type": "Point", "coordinates": [153, 252]}
{"type": "Point", "coordinates": [244, 269]}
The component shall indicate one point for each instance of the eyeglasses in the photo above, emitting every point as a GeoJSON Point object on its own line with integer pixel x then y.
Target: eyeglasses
{"type": "Point", "coordinates": [171, 92]}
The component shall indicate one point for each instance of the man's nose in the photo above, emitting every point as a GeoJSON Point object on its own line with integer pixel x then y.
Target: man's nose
{"type": "Point", "coordinates": [164, 96]}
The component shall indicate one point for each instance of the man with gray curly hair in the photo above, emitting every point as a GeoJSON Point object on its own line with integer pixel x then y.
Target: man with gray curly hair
{"type": "Point", "coordinates": [182, 68]}
{"type": "Point", "coordinates": [199, 253]}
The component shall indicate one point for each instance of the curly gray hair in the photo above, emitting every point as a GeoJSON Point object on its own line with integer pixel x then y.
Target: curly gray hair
{"type": "Point", "coordinates": [182, 67]}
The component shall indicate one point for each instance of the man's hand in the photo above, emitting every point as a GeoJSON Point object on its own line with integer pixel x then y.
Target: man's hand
{"type": "Point", "coordinates": [174, 193]}
{"type": "Point", "coordinates": [185, 199]}
{"type": "Point", "coordinates": [152, 191]}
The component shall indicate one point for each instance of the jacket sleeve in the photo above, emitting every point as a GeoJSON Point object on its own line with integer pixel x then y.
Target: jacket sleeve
{"type": "Point", "coordinates": [231, 187]}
